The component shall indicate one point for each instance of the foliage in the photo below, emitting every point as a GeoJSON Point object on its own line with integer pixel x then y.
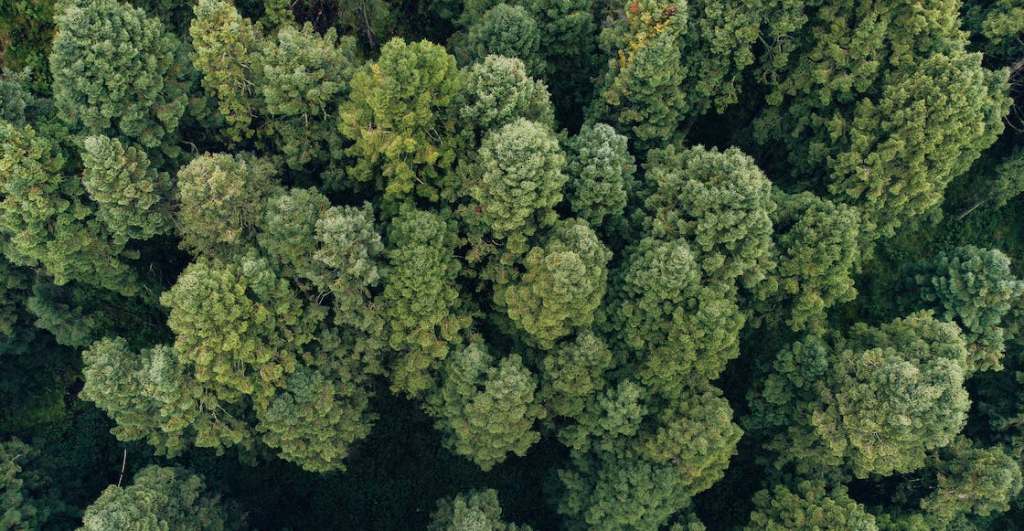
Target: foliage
{"type": "Point", "coordinates": [508, 31]}
{"type": "Point", "coordinates": [476, 510]}
{"type": "Point", "coordinates": [158, 498]}
{"type": "Point", "coordinates": [809, 505]}
{"type": "Point", "coordinates": [600, 169]}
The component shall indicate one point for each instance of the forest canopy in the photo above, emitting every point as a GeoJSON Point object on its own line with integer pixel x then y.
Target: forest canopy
{"type": "Point", "coordinates": [504, 265]}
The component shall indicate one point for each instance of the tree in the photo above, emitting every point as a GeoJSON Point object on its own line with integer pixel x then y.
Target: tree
{"type": "Point", "coordinates": [508, 31]}
{"type": "Point", "coordinates": [520, 178]}
{"type": "Point", "coordinates": [1007, 184]}
{"type": "Point", "coordinates": [486, 407]}
{"type": "Point", "coordinates": [818, 245]}
{"type": "Point", "coordinates": [573, 373]}
{"type": "Point", "coordinates": [287, 232]}
{"type": "Point", "coordinates": [221, 199]}
{"type": "Point", "coordinates": [875, 401]}
{"type": "Point", "coordinates": [976, 289]}
{"type": "Point", "coordinates": [159, 498]}
{"type": "Point", "coordinates": [25, 498]}
{"type": "Point", "coordinates": [420, 302]}
{"type": "Point", "coordinates": [600, 170]}
{"type": "Point", "coordinates": [675, 326]}
{"type": "Point", "coordinates": [472, 511]}
{"type": "Point", "coordinates": [132, 197]}
{"type": "Point", "coordinates": [887, 108]}
{"type": "Point", "coordinates": [225, 53]}
{"type": "Point", "coordinates": [809, 506]}
{"type": "Point", "coordinates": [498, 91]}
{"type": "Point", "coordinates": [399, 118]}
{"type": "Point", "coordinates": [563, 285]}
{"type": "Point", "coordinates": [641, 92]}
{"type": "Point", "coordinates": [48, 220]}
{"type": "Point", "coordinates": [118, 72]}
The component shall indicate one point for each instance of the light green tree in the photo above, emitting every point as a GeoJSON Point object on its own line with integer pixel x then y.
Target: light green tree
{"type": "Point", "coordinates": [600, 169]}
{"type": "Point", "coordinates": [471, 511]}
{"type": "Point", "coordinates": [808, 506]}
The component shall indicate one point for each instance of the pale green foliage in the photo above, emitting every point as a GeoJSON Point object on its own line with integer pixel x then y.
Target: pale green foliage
{"type": "Point", "coordinates": [818, 244]}
{"type": "Point", "coordinates": [809, 506]}
{"type": "Point", "coordinates": [642, 92]}
{"type": "Point", "coordinates": [509, 31]}
{"type": "Point", "coordinates": [398, 117]}
{"type": "Point", "coordinates": [486, 407]}
{"type": "Point", "coordinates": [47, 220]}
{"type": "Point", "coordinates": [972, 480]}
{"type": "Point", "coordinates": [499, 91]}
{"type": "Point", "coordinates": [608, 416]}
{"type": "Point", "coordinates": [875, 401]}
{"type": "Point", "coordinates": [520, 178]}
{"type": "Point", "coordinates": [976, 289]}
{"type": "Point", "coordinates": [316, 418]}
{"type": "Point", "coordinates": [239, 325]}
{"type": "Point", "coordinates": [118, 72]}
{"type": "Point", "coordinates": [132, 197]}
{"type": "Point", "coordinates": [302, 77]}
{"type": "Point", "coordinates": [23, 501]}
{"type": "Point", "coordinates": [563, 284]}
{"type": "Point", "coordinates": [220, 201]}
{"type": "Point", "coordinates": [720, 203]}
{"type": "Point", "coordinates": [420, 302]}
{"type": "Point", "coordinates": [600, 173]}
{"type": "Point", "coordinates": [225, 52]}
{"type": "Point", "coordinates": [158, 498]}
{"type": "Point", "coordinates": [287, 232]}
{"type": "Point", "coordinates": [572, 374]}
{"type": "Point", "coordinates": [351, 250]}
{"type": "Point", "coordinates": [677, 326]}
{"type": "Point", "coordinates": [15, 96]}
{"type": "Point", "coordinates": [882, 107]}
{"type": "Point", "coordinates": [471, 511]}
{"type": "Point", "coordinates": [1009, 179]}
{"type": "Point", "coordinates": [151, 397]}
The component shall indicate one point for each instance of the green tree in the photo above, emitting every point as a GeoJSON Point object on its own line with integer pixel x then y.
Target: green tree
{"type": "Point", "coordinates": [225, 46]}
{"type": "Point", "coordinates": [1007, 182]}
{"type": "Point", "coordinates": [573, 373]}
{"type": "Point", "coordinates": [809, 506]}
{"type": "Point", "coordinates": [118, 72]}
{"type": "Point", "coordinates": [520, 178]}
{"type": "Point", "coordinates": [220, 201]}
{"type": "Point", "coordinates": [819, 251]}
{"type": "Point", "coordinates": [132, 197]}
{"type": "Point", "coordinates": [472, 511]}
{"type": "Point", "coordinates": [420, 302]}
{"type": "Point", "coordinates": [881, 106]}
{"type": "Point", "coordinates": [876, 401]}
{"type": "Point", "coordinates": [26, 500]}
{"type": "Point", "coordinates": [600, 170]}
{"type": "Point", "coordinates": [159, 498]}
{"type": "Point", "coordinates": [509, 31]}
{"type": "Point", "coordinates": [399, 118]}
{"type": "Point", "coordinates": [47, 218]}
{"type": "Point", "coordinates": [563, 284]}
{"type": "Point", "coordinates": [498, 91]}
{"type": "Point", "coordinates": [976, 289]}
{"type": "Point", "coordinates": [486, 407]}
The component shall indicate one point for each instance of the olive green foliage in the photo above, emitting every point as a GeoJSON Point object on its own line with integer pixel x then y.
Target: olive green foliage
{"type": "Point", "coordinates": [220, 201]}
{"type": "Point", "coordinates": [573, 372]}
{"type": "Point", "coordinates": [47, 219]}
{"type": "Point", "coordinates": [887, 105]}
{"type": "Point", "coordinates": [971, 480]}
{"type": "Point", "coordinates": [600, 169]}
{"type": "Point", "coordinates": [499, 91]}
{"type": "Point", "coordinates": [486, 407]}
{"type": "Point", "coordinates": [420, 302]}
{"type": "Point", "coordinates": [563, 284]}
{"type": "Point", "coordinates": [509, 31]}
{"type": "Point", "coordinates": [24, 492]}
{"type": "Point", "coordinates": [876, 400]}
{"type": "Point", "coordinates": [471, 511]}
{"type": "Point", "coordinates": [132, 198]}
{"type": "Point", "coordinates": [818, 244]}
{"type": "Point", "coordinates": [521, 177]}
{"type": "Point", "coordinates": [158, 498]}
{"type": "Point", "coordinates": [117, 71]}
{"type": "Point", "coordinates": [808, 506]}
{"type": "Point", "coordinates": [998, 25]}
{"type": "Point", "coordinates": [976, 289]}
{"type": "Point", "coordinates": [399, 119]}
{"type": "Point", "coordinates": [1009, 180]}
{"type": "Point", "coordinates": [641, 92]}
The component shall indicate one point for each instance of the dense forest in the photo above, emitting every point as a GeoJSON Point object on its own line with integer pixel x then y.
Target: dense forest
{"type": "Point", "coordinates": [532, 264]}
